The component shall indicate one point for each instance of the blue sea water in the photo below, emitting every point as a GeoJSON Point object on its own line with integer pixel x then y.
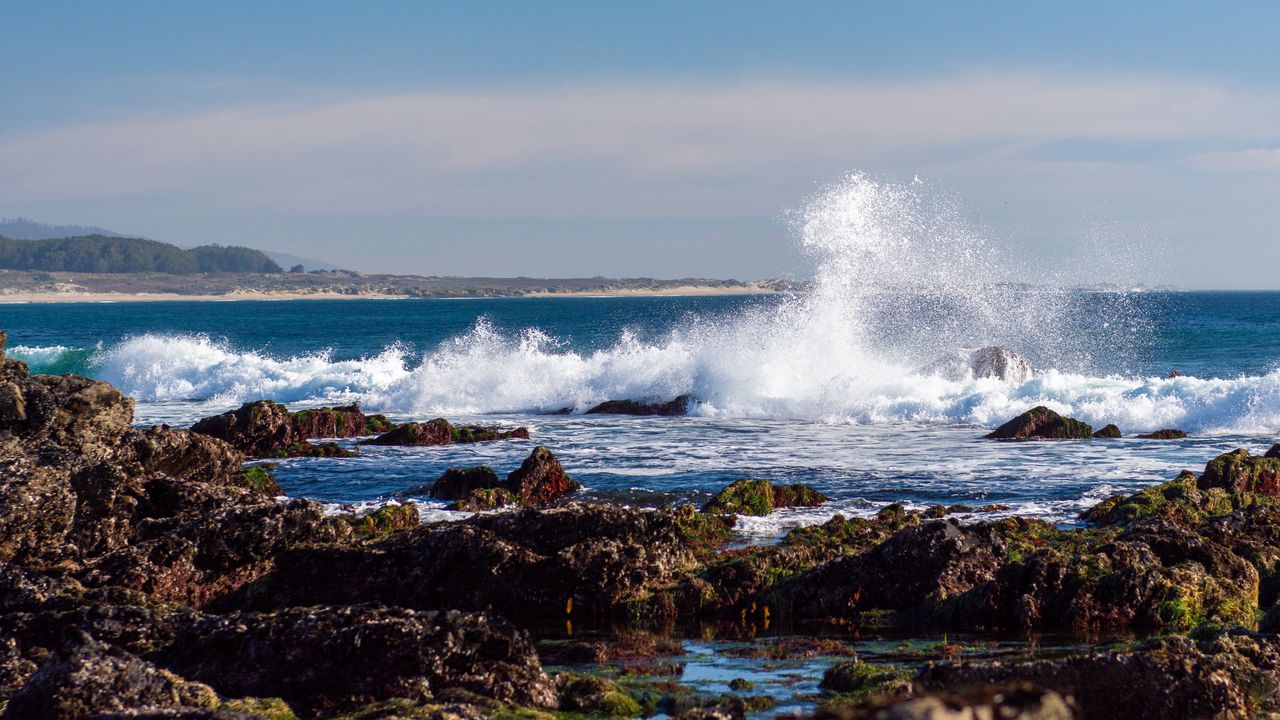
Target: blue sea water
{"type": "Point", "coordinates": [828, 388]}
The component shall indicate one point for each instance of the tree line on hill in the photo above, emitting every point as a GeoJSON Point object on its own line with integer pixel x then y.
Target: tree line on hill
{"type": "Point", "coordinates": [104, 254]}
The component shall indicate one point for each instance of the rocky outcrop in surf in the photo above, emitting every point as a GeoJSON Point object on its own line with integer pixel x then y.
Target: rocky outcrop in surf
{"type": "Point", "coordinates": [761, 497]}
{"type": "Point", "coordinates": [442, 432]}
{"type": "Point", "coordinates": [670, 408]}
{"type": "Point", "coordinates": [993, 361]}
{"type": "Point", "coordinates": [539, 481]}
{"type": "Point", "coordinates": [268, 429]}
{"type": "Point", "coordinates": [1041, 423]}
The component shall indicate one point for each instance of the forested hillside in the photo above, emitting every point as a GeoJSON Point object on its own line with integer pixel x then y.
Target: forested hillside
{"type": "Point", "coordinates": [104, 254]}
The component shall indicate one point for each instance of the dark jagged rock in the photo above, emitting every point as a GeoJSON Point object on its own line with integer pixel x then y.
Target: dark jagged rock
{"type": "Point", "coordinates": [1022, 701]}
{"type": "Point", "coordinates": [268, 429]}
{"type": "Point", "coordinates": [441, 432]}
{"type": "Point", "coordinates": [185, 455]}
{"type": "Point", "coordinates": [385, 520]}
{"type": "Point", "coordinates": [1274, 452]}
{"type": "Point", "coordinates": [482, 499]}
{"type": "Point", "coordinates": [1109, 431]}
{"type": "Point", "coordinates": [196, 560]}
{"type": "Point", "coordinates": [1041, 423]}
{"type": "Point", "coordinates": [1238, 471]}
{"type": "Point", "coordinates": [540, 480]}
{"type": "Point", "coordinates": [1165, 434]}
{"type": "Point", "coordinates": [671, 408]}
{"type": "Point", "coordinates": [761, 497]}
{"type": "Point", "coordinates": [458, 483]}
{"type": "Point", "coordinates": [1231, 675]}
{"type": "Point", "coordinates": [525, 564]}
{"type": "Point", "coordinates": [323, 658]}
{"type": "Point", "coordinates": [87, 677]}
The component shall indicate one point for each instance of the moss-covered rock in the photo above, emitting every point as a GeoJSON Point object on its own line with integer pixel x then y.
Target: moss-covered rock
{"type": "Point", "coordinates": [761, 497]}
{"type": "Point", "coordinates": [1189, 493]}
{"type": "Point", "coordinates": [312, 450]}
{"type": "Point", "coordinates": [1041, 423]}
{"type": "Point", "coordinates": [861, 679]}
{"type": "Point", "coordinates": [385, 520]}
{"type": "Point", "coordinates": [458, 483]}
{"type": "Point", "coordinates": [264, 708]}
{"type": "Point", "coordinates": [1238, 471]}
{"type": "Point", "coordinates": [491, 498]}
{"type": "Point", "coordinates": [596, 696]}
{"type": "Point", "coordinates": [1165, 434]}
{"type": "Point", "coordinates": [1108, 431]}
{"type": "Point", "coordinates": [257, 478]}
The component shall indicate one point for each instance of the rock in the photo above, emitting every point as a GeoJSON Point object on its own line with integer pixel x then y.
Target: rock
{"type": "Point", "coordinates": [88, 677]}
{"type": "Point", "coordinates": [268, 429]}
{"type": "Point", "coordinates": [761, 497]}
{"type": "Point", "coordinates": [1238, 471]}
{"type": "Point", "coordinates": [324, 658]}
{"type": "Point", "coordinates": [197, 560]}
{"type": "Point", "coordinates": [595, 696]}
{"type": "Point", "coordinates": [482, 499]}
{"type": "Point", "coordinates": [540, 480]}
{"type": "Point", "coordinates": [861, 679]}
{"type": "Point", "coordinates": [677, 406]}
{"type": "Point", "coordinates": [184, 455]}
{"type": "Point", "coordinates": [1165, 434]}
{"type": "Point", "coordinates": [1041, 423]}
{"type": "Point", "coordinates": [988, 362]}
{"type": "Point", "coordinates": [440, 432]}
{"type": "Point", "coordinates": [1274, 452]}
{"type": "Point", "coordinates": [458, 483]}
{"type": "Point", "coordinates": [570, 561]}
{"type": "Point", "coordinates": [1231, 675]}
{"type": "Point", "coordinates": [1109, 431]}
{"type": "Point", "coordinates": [385, 520]}
{"type": "Point", "coordinates": [1022, 701]}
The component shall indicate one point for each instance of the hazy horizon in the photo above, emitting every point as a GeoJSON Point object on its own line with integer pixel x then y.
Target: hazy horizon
{"type": "Point", "coordinates": [1133, 145]}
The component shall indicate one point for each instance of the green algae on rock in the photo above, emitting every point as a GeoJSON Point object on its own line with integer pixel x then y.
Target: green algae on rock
{"type": "Point", "coordinates": [1041, 423]}
{"type": "Point", "coordinates": [761, 497]}
{"type": "Point", "coordinates": [385, 520]}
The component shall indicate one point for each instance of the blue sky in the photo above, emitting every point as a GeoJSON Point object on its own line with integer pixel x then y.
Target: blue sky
{"type": "Point", "coordinates": [650, 138]}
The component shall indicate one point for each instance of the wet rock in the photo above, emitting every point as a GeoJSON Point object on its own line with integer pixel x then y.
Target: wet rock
{"type": "Point", "coordinates": [482, 499]}
{"type": "Point", "coordinates": [458, 483]}
{"type": "Point", "coordinates": [761, 497]}
{"type": "Point", "coordinates": [595, 696]}
{"type": "Point", "coordinates": [1109, 431]}
{"type": "Point", "coordinates": [1238, 471]}
{"type": "Point", "coordinates": [862, 679]}
{"type": "Point", "coordinates": [1232, 675]}
{"type": "Point", "coordinates": [554, 563]}
{"type": "Point", "coordinates": [674, 407]}
{"type": "Point", "coordinates": [1020, 702]}
{"type": "Point", "coordinates": [988, 362]}
{"type": "Point", "coordinates": [385, 520]}
{"type": "Point", "coordinates": [324, 658]}
{"type": "Point", "coordinates": [441, 432]}
{"type": "Point", "coordinates": [184, 455]}
{"type": "Point", "coordinates": [196, 560]}
{"type": "Point", "coordinates": [1165, 434]}
{"type": "Point", "coordinates": [1041, 423]}
{"type": "Point", "coordinates": [88, 677]}
{"type": "Point", "coordinates": [540, 479]}
{"type": "Point", "coordinates": [268, 429]}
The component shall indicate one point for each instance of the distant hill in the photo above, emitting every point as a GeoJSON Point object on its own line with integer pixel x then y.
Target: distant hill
{"type": "Point", "coordinates": [21, 228]}
{"type": "Point", "coordinates": [115, 254]}
{"type": "Point", "coordinates": [285, 260]}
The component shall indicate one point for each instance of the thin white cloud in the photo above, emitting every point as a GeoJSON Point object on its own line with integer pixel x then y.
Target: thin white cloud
{"type": "Point", "coordinates": [641, 150]}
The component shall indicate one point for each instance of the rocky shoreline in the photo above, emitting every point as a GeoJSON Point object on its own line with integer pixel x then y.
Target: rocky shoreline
{"type": "Point", "coordinates": [152, 573]}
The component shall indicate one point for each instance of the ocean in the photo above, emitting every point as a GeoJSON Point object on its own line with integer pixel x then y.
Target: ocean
{"type": "Point", "coordinates": [847, 387]}
{"type": "Point", "coordinates": [776, 395]}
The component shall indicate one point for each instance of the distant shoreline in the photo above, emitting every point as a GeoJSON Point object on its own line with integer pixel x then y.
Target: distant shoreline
{"type": "Point", "coordinates": [118, 297]}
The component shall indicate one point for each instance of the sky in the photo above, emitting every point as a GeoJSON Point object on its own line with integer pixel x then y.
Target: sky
{"type": "Point", "coordinates": [1133, 142]}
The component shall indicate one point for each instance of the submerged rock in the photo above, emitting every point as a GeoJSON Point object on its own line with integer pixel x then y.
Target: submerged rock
{"type": "Point", "coordinates": [674, 407]}
{"type": "Point", "coordinates": [761, 497]}
{"type": "Point", "coordinates": [441, 432]}
{"type": "Point", "coordinates": [1165, 434]}
{"type": "Point", "coordinates": [1041, 423]}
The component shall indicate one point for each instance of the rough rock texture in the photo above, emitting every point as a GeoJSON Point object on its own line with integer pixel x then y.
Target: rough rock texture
{"type": "Point", "coordinates": [540, 480]}
{"type": "Point", "coordinates": [458, 483]}
{"type": "Point", "coordinates": [1238, 471]}
{"type": "Point", "coordinates": [674, 407]}
{"type": "Point", "coordinates": [441, 432]}
{"type": "Point", "coordinates": [87, 677]}
{"type": "Point", "coordinates": [1165, 434]}
{"type": "Point", "coordinates": [1041, 423]}
{"type": "Point", "coordinates": [268, 429]}
{"type": "Point", "coordinates": [326, 657]}
{"type": "Point", "coordinates": [1109, 431]}
{"type": "Point", "coordinates": [577, 559]}
{"type": "Point", "coordinates": [761, 497]}
{"type": "Point", "coordinates": [1230, 676]}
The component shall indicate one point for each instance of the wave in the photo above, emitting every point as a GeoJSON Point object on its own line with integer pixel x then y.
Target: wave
{"type": "Point", "coordinates": [900, 281]}
{"type": "Point", "coordinates": [485, 371]}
